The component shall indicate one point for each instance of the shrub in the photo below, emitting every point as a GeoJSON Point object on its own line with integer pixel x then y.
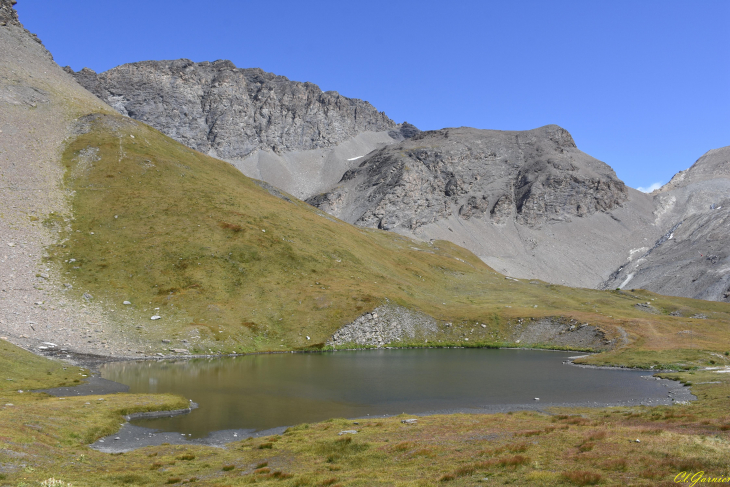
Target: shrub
{"type": "Point", "coordinates": [582, 477]}
{"type": "Point", "coordinates": [596, 435]}
{"type": "Point", "coordinates": [186, 456]}
{"type": "Point", "coordinates": [228, 468]}
{"type": "Point", "coordinates": [266, 446]}
{"type": "Point", "coordinates": [588, 446]}
{"type": "Point", "coordinates": [403, 446]}
{"type": "Point", "coordinates": [617, 464]}
{"type": "Point", "coordinates": [131, 478]}
{"type": "Point", "coordinates": [279, 475]}
{"type": "Point", "coordinates": [513, 461]}
{"type": "Point", "coordinates": [684, 464]}
{"type": "Point", "coordinates": [530, 433]}
{"type": "Point", "coordinates": [651, 473]}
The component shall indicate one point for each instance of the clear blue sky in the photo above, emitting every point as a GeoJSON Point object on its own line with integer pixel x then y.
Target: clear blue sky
{"type": "Point", "coordinates": [642, 85]}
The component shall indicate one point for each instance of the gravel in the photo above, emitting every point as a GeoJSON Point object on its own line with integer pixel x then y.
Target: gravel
{"type": "Point", "coordinates": [38, 106]}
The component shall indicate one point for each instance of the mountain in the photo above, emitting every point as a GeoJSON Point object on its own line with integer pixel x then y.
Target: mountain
{"type": "Point", "coordinates": [692, 258]}
{"type": "Point", "coordinates": [529, 203]}
{"type": "Point", "coordinates": [289, 133]}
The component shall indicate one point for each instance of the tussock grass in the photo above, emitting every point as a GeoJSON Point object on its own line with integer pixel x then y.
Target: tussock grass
{"type": "Point", "coordinates": [583, 477]}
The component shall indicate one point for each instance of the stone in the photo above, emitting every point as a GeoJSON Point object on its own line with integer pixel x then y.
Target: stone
{"type": "Point", "coordinates": [347, 432]}
{"type": "Point", "coordinates": [127, 303]}
{"type": "Point", "coordinates": [156, 317]}
{"type": "Point", "coordinates": [409, 421]}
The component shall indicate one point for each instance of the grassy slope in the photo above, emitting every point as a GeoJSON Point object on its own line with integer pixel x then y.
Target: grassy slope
{"type": "Point", "coordinates": [166, 227]}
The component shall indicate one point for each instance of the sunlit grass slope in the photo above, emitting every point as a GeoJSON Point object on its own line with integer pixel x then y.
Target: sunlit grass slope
{"type": "Point", "coordinates": [163, 226]}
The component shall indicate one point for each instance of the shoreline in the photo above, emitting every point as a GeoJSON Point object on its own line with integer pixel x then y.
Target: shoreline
{"type": "Point", "coordinates": [131, 437]}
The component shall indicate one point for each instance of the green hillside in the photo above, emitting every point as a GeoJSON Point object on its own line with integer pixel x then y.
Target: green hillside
{"type": "Point", "coordinates": [248, 269]}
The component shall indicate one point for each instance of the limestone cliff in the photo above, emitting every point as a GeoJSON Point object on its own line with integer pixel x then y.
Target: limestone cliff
{"type": "Point", "coordinates": [534, 177]}
{"type": "Point", "coordinates": [219, 109]}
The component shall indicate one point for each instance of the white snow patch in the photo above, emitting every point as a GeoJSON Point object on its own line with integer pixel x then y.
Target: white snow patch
{"type": "Point", "coordinates": [356, 158]}
{"type": "Point", "coordinates": [650, 188]}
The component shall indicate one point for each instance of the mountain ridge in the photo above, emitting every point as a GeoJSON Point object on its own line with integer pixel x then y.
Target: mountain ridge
{"type": "Point", "coordinates": [229, 112]}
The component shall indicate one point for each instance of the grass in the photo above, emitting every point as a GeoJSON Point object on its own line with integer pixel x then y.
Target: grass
{"type": "Point", "coordinates": [44, 437]}
{"type": "Point", "coordinates": [20, 370]}
{"type": "Point", "coordinates": [232, 268]}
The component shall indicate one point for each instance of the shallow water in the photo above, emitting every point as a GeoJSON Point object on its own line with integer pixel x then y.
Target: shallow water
{"type": "Point", "coordinates": [257, 392]}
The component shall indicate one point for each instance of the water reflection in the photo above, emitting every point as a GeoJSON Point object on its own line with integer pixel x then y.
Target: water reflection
{"type": "Point", "coordinates": [265, 391]}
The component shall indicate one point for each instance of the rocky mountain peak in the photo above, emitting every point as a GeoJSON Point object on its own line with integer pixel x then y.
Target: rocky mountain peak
{"type": "Point", "coordinates": [8, 14]}
{"type": "Point", "coordinates": [712, 165]}
{"type": "Point", "coordinates": [230, 112]}
{"type": "Point", "coordinates": [531, 177]}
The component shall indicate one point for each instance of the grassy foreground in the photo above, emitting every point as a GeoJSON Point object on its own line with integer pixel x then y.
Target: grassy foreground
{"type": "Point", "coordinates": [230, 267]}
{"type": "Point", "coordinates": [43, 438]}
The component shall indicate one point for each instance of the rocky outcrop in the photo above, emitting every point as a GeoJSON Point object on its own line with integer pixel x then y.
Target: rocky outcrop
{"type": "Point", "coordinates": [227, 112]}
{"type": "Point", "coordinates": [386, 324]}
{"type": "Point", "coordinates": [535, 177]}
{"type": "Point", "coordinates": [560, 331]}
{"type": "Point", "coordinates": [8, 15]}
{"type": "Point", "coordinates": [9, 18]}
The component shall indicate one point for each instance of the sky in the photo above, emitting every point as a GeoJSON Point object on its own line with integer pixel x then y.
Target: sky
{"type": "Point", "coordinates": [641, 85]}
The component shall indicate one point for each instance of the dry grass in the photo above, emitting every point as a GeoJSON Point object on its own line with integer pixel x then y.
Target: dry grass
{"type": "Point", "coordinates": [583, 477]}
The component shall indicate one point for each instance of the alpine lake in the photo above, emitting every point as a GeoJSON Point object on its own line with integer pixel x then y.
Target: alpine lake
{"type": "Point", "coordinates": [255, 393]}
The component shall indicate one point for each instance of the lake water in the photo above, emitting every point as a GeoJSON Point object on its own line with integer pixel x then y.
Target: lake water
{"type": "Point", "coordinates": [258, 392]}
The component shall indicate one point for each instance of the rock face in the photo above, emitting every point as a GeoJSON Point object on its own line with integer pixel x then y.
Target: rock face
{"type": "Point", "coordinates": [227, 112]}
{"type": "Point", "coordinates": [535, 177]}
{"type": "Point", "coordinates": [8, 15]}
{"type": "Point", "coordinates": [692, 257]}
{"type": "Point", "coordinates": [386, 324]}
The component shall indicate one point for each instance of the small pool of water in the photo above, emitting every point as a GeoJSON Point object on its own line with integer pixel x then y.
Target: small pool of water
{"type": "Point", "coordinates": [258, 392]}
